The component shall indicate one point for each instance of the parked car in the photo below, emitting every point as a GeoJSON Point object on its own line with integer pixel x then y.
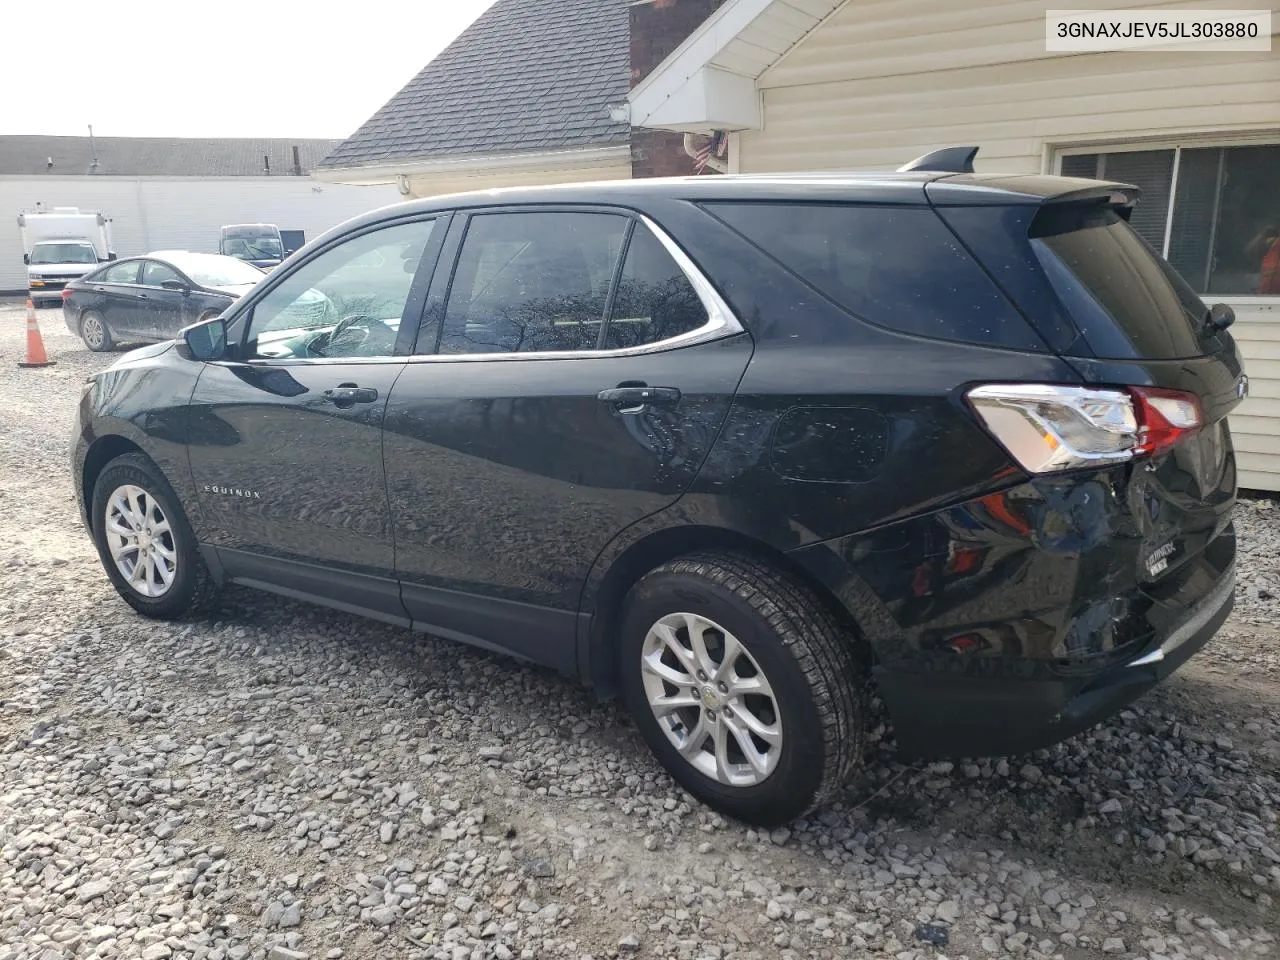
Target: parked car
{"type": "Point", "coordinates": [261, 244]}
{"type": "Point", "coordinates": [737, 448]}
{"type": "Point", "coordinates": [153, 297]}
{"type": "Point", "coordinates": [61, 245]}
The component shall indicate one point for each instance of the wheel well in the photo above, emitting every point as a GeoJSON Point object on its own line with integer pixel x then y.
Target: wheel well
{"type": "Point", "coordinates": [665, 545]}
{"type": "Point", "coordinates": [103, 451]}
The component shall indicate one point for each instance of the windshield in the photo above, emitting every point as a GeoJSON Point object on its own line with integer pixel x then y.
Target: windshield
{"type": "Point", "coordinates": [211, 270]}
{"type": "Point", "coordinates": [253, 248]}
{"type": "Point", "coordinates": [63, 253]}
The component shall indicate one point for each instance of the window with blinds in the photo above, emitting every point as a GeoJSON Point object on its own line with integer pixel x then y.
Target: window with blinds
{"type": "Point", "coordinates": [1225, 204]}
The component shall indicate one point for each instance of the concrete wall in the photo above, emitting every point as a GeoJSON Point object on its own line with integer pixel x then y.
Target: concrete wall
{"type": "Point", "coordinates": [179, 213]}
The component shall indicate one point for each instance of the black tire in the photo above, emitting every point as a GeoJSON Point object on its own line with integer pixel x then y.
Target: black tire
{"type": "Point", "coordinates": [107, 342]}
{"type": "Point", "coordinates": [806, 656]}
{"type": "Point", "coordinates": [192, 589]}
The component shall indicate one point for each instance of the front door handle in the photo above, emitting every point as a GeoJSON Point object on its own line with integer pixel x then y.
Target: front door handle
{"type": "Point", "coordinates": [345, 394]}
{"type": "Point", "coordinates": [631, 398]}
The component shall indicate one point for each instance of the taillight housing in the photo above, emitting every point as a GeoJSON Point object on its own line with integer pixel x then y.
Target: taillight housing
{"type": "Point", "coordinates": [1048, 428]}
{"type": "Point", "coordinates": [66, 293]}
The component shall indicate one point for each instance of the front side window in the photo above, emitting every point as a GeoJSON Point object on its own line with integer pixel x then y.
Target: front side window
{"type": "Point", "coordinates": [347, 302]}
{"type": "Point", "coordinates": [1224, 238]}
{"type": "Point", "coordinates": [532, 282]}
{"type": "Point", "coordinates": [155, 273]}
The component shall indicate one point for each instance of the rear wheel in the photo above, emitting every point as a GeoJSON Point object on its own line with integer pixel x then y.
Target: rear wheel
{"type": "Point", "coordinates": [145, 542]}
{"type": "Point", "coordinates": [743, 685]}
{"type": "Point", "coordinates": [94, 332]}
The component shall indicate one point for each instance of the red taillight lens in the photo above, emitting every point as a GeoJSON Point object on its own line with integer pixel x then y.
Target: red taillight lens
{"type": "Point", "coordinates": [66, 294]}
{"type": "Point", "coordinates": [1164, 418]}
{"type": "Point", "coordinates": [1047, 428]}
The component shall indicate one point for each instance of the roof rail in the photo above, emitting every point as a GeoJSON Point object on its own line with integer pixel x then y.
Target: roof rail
{"type": "Point", "coordinates": [946, 160]}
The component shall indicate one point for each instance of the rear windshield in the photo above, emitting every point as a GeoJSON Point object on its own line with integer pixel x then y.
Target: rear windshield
{"type": "Point", "coordinates": [1125, 299]}
{"type": "Point", "coordinates": [894, 266]}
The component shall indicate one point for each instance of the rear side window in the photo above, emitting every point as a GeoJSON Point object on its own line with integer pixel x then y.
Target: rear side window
{"type": "Point", "coordinates": [120, 273]}
{"type": "Point", "coordinates": [1124, 298]}
{"type": "Point", "coordinates": [532, 282]}
{"type": "Point", "coordinates": [897, 267]}
{"type": "Point", "coordinates": [655, 300]}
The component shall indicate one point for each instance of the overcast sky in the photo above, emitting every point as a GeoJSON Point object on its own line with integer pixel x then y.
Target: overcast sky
{"type": "Point", "coordinates": [214, 68]}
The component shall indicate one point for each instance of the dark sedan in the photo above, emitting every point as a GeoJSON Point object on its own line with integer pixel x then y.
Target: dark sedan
{"type": "Point", "coordinates": [153, 297]}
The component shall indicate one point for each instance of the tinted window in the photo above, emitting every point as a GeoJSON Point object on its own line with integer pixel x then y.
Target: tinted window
{"type": "Point", "coordinates": [655, 300]}
{"type": "Point", "coordinates": [1126, 301]}
{"type": "Point", "coordinates": [347, 302]}
{"type": "Point", "coordinates": [897, 267]}
{"type": "Point", "coordinates": [155, 273]}
{"type": "Point", "coordinates": [532, 282]}
{"type": "Point", "coordinates": [120, 273]}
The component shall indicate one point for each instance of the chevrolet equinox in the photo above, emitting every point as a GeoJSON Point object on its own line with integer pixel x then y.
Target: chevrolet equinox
{"type": "Point", "coordinates": [738, 449]}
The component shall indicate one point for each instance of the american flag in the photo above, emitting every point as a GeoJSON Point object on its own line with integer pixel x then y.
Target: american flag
{"type": "Point", "coordinates": [717, 145]}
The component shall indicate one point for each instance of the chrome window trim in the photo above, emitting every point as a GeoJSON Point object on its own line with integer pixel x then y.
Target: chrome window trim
{"type": "Point", "coordinates": [720, 322]}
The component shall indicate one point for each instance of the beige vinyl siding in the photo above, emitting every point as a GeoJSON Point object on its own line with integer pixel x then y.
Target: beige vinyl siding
{"type": "Point", "coordinates": [881, 82]}
{"type": "Point", "coordinates": [439, 184]}
{"type": "Point", "coordinates": [1256, 425]}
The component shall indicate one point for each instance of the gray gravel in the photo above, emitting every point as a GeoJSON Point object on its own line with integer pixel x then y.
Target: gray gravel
{"type": "Point", "coordinates": [278, 781]}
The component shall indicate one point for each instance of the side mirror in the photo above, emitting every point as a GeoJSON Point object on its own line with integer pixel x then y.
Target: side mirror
{"type": "Point", "coordinates": [176, 285]}
{"type": "Point", "coordinates": [208, 340]}
{"type": "Point", "coordinates": [1221, 316]}
{"type": "Point", "coordinates": [26, 258]}
{"type": "Point", "coordinates": [111, 255]}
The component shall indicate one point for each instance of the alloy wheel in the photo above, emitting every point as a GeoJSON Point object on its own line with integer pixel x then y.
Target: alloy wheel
{"type": "Point", "coordinates": [93, 332]}
{"type": "Point", "coordinates": [711, 699]}
{"type": "Point", "coordinates": [140, 541]}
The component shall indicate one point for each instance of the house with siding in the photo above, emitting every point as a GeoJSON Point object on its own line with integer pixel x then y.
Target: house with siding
{"type": "Point", "coordinates": [541, 91]}
{"type": "Point", "coordinates": [171, 193]}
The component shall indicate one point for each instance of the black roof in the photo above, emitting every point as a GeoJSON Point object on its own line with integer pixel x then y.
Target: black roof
{"type": "Point", "coordinates": [157, 156]}
{"type": "Point", "coordinates": [528, 75]}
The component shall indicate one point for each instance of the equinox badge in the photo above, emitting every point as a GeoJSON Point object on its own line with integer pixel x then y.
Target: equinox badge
{"type": "Point", "coordinates": [233, 492]}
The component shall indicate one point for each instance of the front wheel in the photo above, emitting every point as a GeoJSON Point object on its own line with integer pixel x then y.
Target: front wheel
{"type": "Point", "coordinates": [94, 332]}
{"type": "Point", "coordinates": [744, 686]}
{"type": "Point", "coordinates": [145, 542]}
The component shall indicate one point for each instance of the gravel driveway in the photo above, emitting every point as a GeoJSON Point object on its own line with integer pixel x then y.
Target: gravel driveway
{"type": "Point", "coordinates": [281, 781]}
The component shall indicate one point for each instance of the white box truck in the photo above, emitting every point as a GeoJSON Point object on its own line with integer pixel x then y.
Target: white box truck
{"type": "Point", "coordinates": [60, 246]}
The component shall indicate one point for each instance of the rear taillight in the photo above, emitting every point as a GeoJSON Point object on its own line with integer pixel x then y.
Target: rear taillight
{"type": "Point", "coordinates": [1047, 428]}
{"type": "Point", "coordinates": [66, 294]}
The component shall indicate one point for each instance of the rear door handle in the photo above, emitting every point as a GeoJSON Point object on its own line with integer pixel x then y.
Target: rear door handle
{"type": "Point", "coordinates": [631, 398]}
{"type": "Point", "coordinates": [348, 393]}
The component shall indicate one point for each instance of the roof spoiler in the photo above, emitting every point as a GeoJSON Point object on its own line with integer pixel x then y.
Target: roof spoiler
{"type": "Point", "coordinates": [946, 160]}
{"type": "Point", "coordinates": [1121, 197]}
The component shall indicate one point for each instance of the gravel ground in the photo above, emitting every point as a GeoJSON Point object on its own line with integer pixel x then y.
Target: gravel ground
{"type": "Point", "coordinates": [278, 781]}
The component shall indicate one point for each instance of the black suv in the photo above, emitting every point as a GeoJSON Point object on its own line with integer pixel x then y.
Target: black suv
{"type": "Point", "coordinates": [737, 448]}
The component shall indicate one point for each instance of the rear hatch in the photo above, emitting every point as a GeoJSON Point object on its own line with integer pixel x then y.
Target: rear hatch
{"type": "Point", "coordinates": [1108, 304]}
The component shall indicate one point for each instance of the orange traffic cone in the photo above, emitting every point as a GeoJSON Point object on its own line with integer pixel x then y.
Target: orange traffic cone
{"type": "Point", "coordinates": [36, 357]}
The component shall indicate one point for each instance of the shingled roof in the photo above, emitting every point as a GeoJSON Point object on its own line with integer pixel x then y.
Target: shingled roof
{"type": "Point", "coordinates": [528, 75]}
{"type": "Point", "coordinates": [157, 156]}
